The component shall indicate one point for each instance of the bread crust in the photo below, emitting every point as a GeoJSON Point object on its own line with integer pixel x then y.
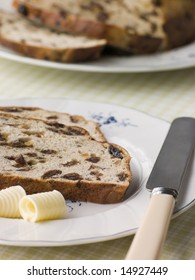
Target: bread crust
{"type": "Point", "coordinates": [71, 190]}
{"type": "Point", "coordinates": [179, 25]}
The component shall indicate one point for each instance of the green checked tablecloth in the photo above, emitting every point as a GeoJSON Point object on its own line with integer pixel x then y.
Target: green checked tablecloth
{"type": "Point", "coordinates": [165, 95]}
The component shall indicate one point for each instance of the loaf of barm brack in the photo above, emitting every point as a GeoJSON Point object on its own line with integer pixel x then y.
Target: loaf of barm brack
{"type": "Point", "coordinates": [143, 26]}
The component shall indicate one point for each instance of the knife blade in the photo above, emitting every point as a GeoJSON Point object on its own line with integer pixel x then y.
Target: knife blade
{"type": "Point", "coordinates": [164, 182]}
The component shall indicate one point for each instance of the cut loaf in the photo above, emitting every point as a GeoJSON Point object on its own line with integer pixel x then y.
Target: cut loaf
{"type": "Point", "coordinates": [64, 118]}
{"type": "Point", "coordinates": [43, 156]}
{"type": "Point", "coordinates": [20, 35]}
{"type": "Point", "coordinates": [143, 26]}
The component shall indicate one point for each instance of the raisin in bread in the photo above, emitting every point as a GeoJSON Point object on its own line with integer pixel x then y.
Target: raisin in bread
{"type": "Point", "coordinates": [64, 118]}
{"type": "Point", "coordinates": [22, 36]}
{"type": "Point", "coordinates": [43, 156]}
{"type": "Point", "coordinates": [144, 26]}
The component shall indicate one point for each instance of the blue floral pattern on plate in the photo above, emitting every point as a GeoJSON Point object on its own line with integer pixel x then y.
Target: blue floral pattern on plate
{"type": "Point", "coordinates": [111, 119]}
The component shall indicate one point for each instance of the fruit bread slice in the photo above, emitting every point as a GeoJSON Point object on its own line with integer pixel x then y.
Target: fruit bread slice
{"type": "Point", "coordinates": [22, 36]}
{"type": "Point", "coordinates": [43, 156]}
{"type": "Point", "coordinates": [64, 118]}
{"type": "Point", "coordinates": [143, 26]}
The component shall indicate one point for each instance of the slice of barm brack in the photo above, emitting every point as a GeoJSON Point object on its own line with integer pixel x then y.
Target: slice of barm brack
{"type": "Point", "coordinates": [137, 27]}
{"type": "Point", "coordinates": [22, 36]}
{"type": "Point", "coordinates": [43, 156]}
{"type": "Point", "coordinates": [64, 118]}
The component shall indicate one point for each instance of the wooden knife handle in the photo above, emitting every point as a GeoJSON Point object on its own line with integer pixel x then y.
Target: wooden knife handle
{"type": "Point", "coordinates": [150, 237]}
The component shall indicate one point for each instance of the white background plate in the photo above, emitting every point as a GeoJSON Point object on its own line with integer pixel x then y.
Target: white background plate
{"type": "Point", "coordinates": [175, 59]}
{"type": "Point", "coordinates": [142, 135]}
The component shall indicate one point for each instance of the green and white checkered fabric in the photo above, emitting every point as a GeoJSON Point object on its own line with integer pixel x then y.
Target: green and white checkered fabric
{"type": "Point", "coordinates": [165, 95]}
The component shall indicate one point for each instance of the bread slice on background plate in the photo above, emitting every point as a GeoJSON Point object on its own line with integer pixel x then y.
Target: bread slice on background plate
{"type": "Point", "coordinates": [143, 26]}
{"type": "Point", "coordinates": [43, 156]}
{"type": "Point", "coordinates": [52, 116]}
{"type": "Point", "coordinates": [22, 36]}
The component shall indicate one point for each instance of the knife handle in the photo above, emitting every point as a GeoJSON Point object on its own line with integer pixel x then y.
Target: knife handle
{"type": "Point", "coordinates": [150, 237]}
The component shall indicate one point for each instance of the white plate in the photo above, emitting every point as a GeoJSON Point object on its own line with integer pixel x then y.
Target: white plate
{"type": "Point", "coordinates": [175, 59]}
{"type": "Point", "coordinates": [142, 135]}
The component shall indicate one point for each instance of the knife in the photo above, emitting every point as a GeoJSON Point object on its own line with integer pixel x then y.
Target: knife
{"type": "Point", "coordinates": [164, 182]}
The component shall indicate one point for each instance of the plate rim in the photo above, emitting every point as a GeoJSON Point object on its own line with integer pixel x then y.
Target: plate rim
{"type": "Point", "coordinates": [91, 67]}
